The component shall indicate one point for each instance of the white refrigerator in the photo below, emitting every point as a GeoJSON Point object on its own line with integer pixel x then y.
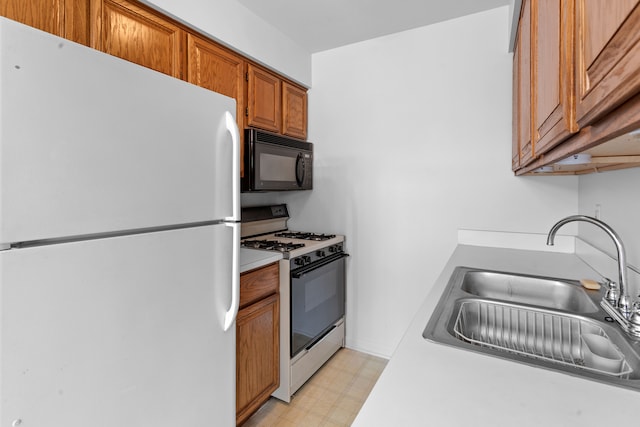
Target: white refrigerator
{"type": "Point", "coordinates": [119, 241]}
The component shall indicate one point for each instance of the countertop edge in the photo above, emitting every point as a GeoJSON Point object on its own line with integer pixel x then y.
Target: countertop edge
{"type": "Point", "coordinates": [251, 259]}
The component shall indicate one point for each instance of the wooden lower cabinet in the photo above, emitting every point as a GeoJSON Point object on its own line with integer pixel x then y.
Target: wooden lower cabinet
{"type": "Point", "coordinates": [257, 340]}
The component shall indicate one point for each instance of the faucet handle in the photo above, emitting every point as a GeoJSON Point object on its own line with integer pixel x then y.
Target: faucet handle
{"type": "Point", "coordinates": [635, 315]}
{"type": "Point", "coordinates": [612, 295]}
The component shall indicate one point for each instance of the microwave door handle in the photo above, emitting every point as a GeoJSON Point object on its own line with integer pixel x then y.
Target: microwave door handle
{"type": "Point", "coordinates": [300, 169]}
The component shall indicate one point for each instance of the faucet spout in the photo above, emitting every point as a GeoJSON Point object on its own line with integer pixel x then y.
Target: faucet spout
{"type": "Point", "coordinates": [623, 302]}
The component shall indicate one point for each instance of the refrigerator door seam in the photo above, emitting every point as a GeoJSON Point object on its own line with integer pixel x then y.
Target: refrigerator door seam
{"type": "Point", "coordinates": [106, 235]}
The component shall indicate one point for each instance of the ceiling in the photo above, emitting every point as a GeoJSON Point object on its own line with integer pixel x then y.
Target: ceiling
{"type": "Point", "coordinates": [318, 25]}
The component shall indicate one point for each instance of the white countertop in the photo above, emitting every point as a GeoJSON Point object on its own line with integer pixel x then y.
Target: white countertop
{"type": "Point", "coordinates": [255, 258]}
{"type": "Point", "coordinates": [429, 384]}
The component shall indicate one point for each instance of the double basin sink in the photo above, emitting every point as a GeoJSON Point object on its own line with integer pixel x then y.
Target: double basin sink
{"type": "Point", "coordinates": [550, 323]}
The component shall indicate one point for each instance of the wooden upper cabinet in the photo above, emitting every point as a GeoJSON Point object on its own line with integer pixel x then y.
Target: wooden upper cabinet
{"type": "Point", "coordinates": [64, 18]}
{"type": "Point", "coordinates": [264, 100]}
{"type": "Point", "coordinates": [139, 35]}
{"type": "Point", "coordinates": [607, 57]}
{"type": "Point", "coordinates": [294, 111]}
{"type": "Point", "coordinates": [45, 15]}
{"type": "Point", "coordinates": [220, 70]}
{"type": "Point", "coordinates": [553, 76]}
{"type": "Point", "coordinates": [212, 67]}
{"type": "Point", "coordinates": [525, 145]}
{"type": "Point", "coordinates": [515, 111]}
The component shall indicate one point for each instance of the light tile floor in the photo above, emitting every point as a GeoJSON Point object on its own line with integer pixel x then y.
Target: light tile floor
{"type": "Point", "coordinates": [331, 398]}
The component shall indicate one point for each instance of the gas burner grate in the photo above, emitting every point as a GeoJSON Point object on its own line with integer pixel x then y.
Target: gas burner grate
{"type": "Point", "coordinates": [305, 236]}
{"type": "Point", "coordinates": [271, 245]}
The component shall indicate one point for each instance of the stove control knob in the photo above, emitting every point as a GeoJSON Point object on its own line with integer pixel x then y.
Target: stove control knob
{"type": "Point", "coordinates": [332, 248]}
{"type": "Point", "coordinates": [321, 253]}
{"type": "Point", "coordinates": [306, 259]}
{"type": "Point", "coordinates": [298, 261]}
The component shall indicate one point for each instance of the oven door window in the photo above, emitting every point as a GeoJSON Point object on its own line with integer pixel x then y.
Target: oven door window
{"type": "Point", "coordinates": [317, 302]}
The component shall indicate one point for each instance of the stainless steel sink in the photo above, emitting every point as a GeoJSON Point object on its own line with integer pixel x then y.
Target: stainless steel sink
{"type": "Point", "coordinates": [546, 322]}
{"type": "Point", "coordinates": [539, 291]}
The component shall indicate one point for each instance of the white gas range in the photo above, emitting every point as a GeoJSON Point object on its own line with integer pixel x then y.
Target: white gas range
{"type": "Point", "coordinates": [312, 292]}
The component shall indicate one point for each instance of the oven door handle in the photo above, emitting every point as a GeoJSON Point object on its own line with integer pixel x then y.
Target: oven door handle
{"type": "Point", "coordinates": [298, 273]}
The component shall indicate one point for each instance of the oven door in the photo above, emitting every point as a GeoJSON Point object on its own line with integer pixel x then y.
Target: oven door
{"type": "Point", "coordinates": [317, 300]}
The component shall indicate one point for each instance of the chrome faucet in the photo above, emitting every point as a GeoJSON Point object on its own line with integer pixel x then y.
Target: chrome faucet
{"type": "Point", "coordinates": [617, 305]}
{"type": "Point", "coordinates": [623, 300]}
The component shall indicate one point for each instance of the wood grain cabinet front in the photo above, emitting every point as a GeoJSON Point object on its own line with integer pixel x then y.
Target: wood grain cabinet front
{"type": "Point", "coordinates": [294, 111]}
{"type": "Point", "coordinates": [45, 15]}
{"type": "Point", "coordinates": [138, 34]}
{"type": "Point", "coordinates": [218, 69]}
{"type": "Point", "coordinates": [522, 146]}
{"type": "Point", "coordinates": [264, 99]}
{"type": "Point", "coordinates": [607, 57]}
{"type": "Point", "coordinates": [275, 104]}
{"type": "Point", "coordinates": [257, 340]}
{"type": "Point", "coordinates": [553, 73]}
{"type": "Point", "coordinates": [64, 18]}
{"type": "Point", "coordinates": [576, 74]}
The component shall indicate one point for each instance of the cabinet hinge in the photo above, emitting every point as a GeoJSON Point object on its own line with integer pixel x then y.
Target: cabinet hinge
{"type": "Point", "coordinates": [246, 111]}
{"type": "Point", "coordinates": [246, 76]}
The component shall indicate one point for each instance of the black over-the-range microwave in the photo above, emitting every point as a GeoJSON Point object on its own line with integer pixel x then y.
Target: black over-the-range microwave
{"type": "Point", "coordinates": [276, 163]}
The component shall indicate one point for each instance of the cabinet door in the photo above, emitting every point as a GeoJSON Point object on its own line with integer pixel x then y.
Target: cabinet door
{"type": "Point", "coordinates": [607, 57]}
{"type": "Point", "coordinates": [257, 355]}
{"type": "Point", "coordinates": [215, 68]}
{"type": "Point", "coordinates": [138, 35]}
{"type": "Point", "coordinates": [45, 15]}
{"type": "Point", "coordinates": [515, 111]}
{"type": "Point", "coordinates": [259, 283]}
{"type": "Point", "coordinates": [523, 77]}
{"type": "Point", "coordinates": [552, 23]}
{"type": "Point", "coordinates": [68, 19]}
{"type": "Point", "coordinates": [294, 111]}
{"type": "Point", "coordinates": [263, 99]}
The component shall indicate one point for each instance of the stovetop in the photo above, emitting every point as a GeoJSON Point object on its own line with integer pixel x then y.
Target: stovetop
{"type": "Point", "coordinates": [304, 235]}
{"type": "Point", "coordinates": [291, 247]}
{"type": "Point", "coordinates": [265, 228]}
{"type": "Point", "coordinates": [271, 245]}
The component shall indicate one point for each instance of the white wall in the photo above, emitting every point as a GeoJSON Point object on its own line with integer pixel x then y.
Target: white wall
{"type": "Point", "coordinates": [617, 194]}
{"type": "Point", "coordinates": [232, 24]}
{"type": "Point", "coordinates": [412, 138]}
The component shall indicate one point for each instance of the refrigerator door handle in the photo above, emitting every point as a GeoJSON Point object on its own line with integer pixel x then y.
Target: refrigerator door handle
{"type": "Point", "coordinates": [232, 127]}
{"type": "Point", "coordinates": [232, 313]}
